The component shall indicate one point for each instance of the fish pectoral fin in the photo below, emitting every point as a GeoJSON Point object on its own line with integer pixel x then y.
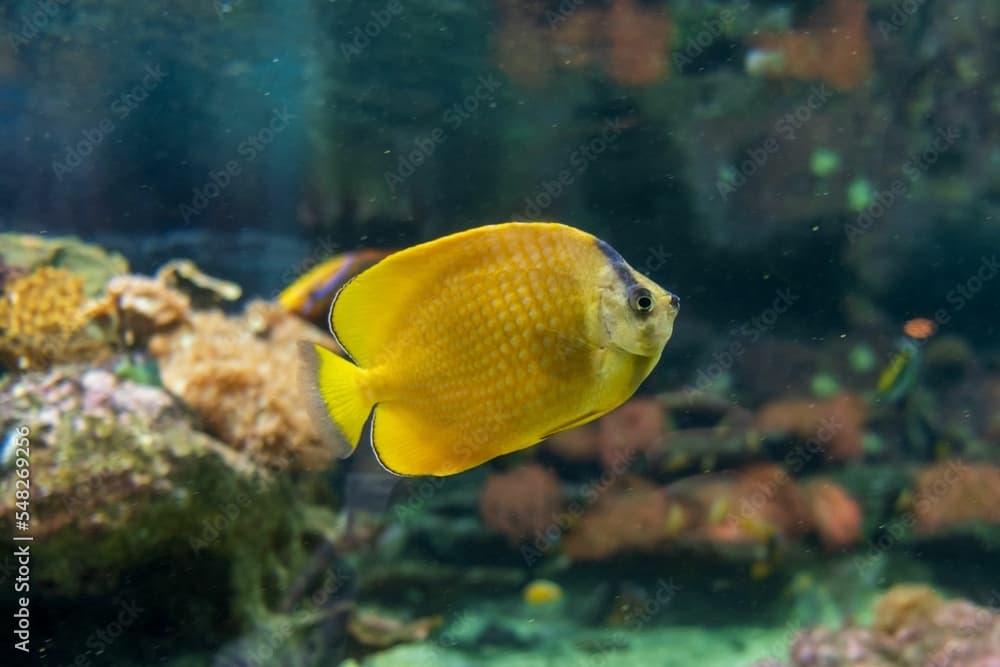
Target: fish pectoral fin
{"type": "Point", "coordinates": [579, 421]}
{"type": "Point", "coordinates": [407, 444]}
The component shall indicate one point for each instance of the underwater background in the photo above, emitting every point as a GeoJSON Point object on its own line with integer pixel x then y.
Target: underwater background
{"type": "Point", "coordinates": [810, 476]}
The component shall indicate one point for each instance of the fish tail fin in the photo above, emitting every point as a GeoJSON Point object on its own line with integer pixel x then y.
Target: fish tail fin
{"type": "Point", "coordinates": [334, 398]}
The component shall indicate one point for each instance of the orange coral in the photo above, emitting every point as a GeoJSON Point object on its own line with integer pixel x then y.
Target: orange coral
{"type": "Point", "coordinates": [239, 375]}
{"type": "Point", "coordinates": [953, 493]}
{"type": "Point", "coordinates": [42, 320]}
{"type": "Point", "coordinates": [578, 444]}
{"type": "Point", "coordinates": [836, 516]}
{"type": "Point", "coordinates": [520, 503]}
{"type": "Point", "coordinates": [732, 514]}
{"type": "Point", "coordinates": [638, 43]}
{"type": "Point", "coordinates": [905, 605]}
{"type": "Point", "coordinates": [835, 425]}
{"type": "Point", "coordinates": [752, 506]}
{"type": "Point", "coordinates": [636, 426]}
{"type": "Point", "coordinates": [372, 629]}
{"type": "Point", "coordinates": [636, 516]}
{"type": "Point", "coordinates": [143, 306]}
{"type": "Point", "coordinates": [629, 40]}
{"type": "Point", "coordinates": [831, 46]}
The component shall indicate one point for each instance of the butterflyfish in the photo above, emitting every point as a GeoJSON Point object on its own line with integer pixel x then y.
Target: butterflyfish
{"type": "Point", "coordinates": [482, 343]}
{"type": "Point", "coordinates": [309, 296]}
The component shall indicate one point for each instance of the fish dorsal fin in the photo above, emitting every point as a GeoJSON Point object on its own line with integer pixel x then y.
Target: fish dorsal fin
{"type": "Point", "coordinates": [366, 312]}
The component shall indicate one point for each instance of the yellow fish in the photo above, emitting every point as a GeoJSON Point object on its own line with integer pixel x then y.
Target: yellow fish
{"type": "Point", "coordinates": [310, 295]}
{"type": "Point", "coordinates": [482, 343]}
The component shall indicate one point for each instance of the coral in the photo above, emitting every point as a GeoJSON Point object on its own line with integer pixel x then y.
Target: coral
{"type": "Point", "coordinates": [735, 515]}
{"type": "Point", "coordinates": [185, 276]}
{"type": "Point", "coordinates": [634, 516]}
{"type": "Point", "coordinates": [372, 629]}
{"type": "Point", "coordinates": [142, 307]}
{"type": "Point", "coordinates": [904, 605]}
{"type": "Point", "coordinates": [831, 46]}
{"type": "Point", "coordinates": [580, 444]}
{"type": "Point", "coordinates": [638, 42]}
{"type": "Point", "coordinates": [636, 426]}
{"type": "Point", "coordinates": [913, 627]}
{"type": "Point", "coordinates": [8, 273]}
{"type": "Point", "coordinates": [43, 321]}
{"type": "Point", "coordinates": [240, 375]}
{"type": "Point", "coordinates": [108, 455]}
{"type": "Point", "coordinates": [94, 265]}
{"type": "Point", "coordinates": [952, 493]}
{"type": "Point", "coordinates": [629, 40]}
{"type": "Point", "coordinates": [750, 507]}
{"type": "Point", "coordinates": [835, 515]}
{"type": "Point", "coordinates": [520, 503]}
{"type": "Point", "coordinates": [835, 424]}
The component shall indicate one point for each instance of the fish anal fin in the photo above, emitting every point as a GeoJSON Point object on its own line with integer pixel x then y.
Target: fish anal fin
{"type": "Point", "coordinates": [579, 421]}
{"type": "Point", "coordinates": [408, 445]}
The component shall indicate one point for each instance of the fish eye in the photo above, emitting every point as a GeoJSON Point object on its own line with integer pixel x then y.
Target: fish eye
{"type": "Point", "coordinates": [640, 299]}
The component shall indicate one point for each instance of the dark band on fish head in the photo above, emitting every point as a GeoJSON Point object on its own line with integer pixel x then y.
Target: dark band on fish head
{"type": "Point", "coordinates": [639, 297]}
{"type": "Point", "coordinates": [618, 264]}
